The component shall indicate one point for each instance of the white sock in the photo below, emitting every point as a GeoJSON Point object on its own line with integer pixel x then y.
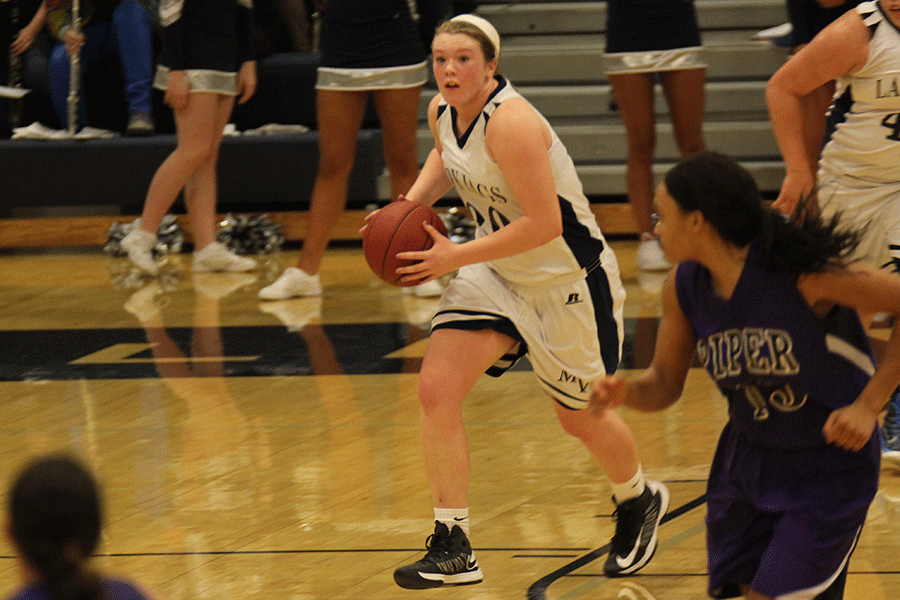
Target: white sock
{"type": "Point", "coordinates": [453, 516]}
{"type": "Point", "coordinates": [632, 488]}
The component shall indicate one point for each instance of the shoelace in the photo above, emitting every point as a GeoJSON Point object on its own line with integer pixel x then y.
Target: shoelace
{"type": "Point", "coordinates": [625, 514]}
{"type": "Point", "coordinates": [437, 544]}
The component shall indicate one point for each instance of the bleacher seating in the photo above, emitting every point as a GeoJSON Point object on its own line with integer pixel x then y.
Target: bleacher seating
{"type": "Point", "coordinates": [276, 170]}
{"type": "Point", "coordinates": [551, 51]}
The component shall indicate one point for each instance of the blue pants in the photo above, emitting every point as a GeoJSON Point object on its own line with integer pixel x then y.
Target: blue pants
{"type": "Point", "coordinates": [129, 37]}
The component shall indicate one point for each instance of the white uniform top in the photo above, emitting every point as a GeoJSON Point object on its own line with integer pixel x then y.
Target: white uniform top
{"type": "Point", "coordinates": [489, 198]}
{"type": "Point", "coordinates": [865, 142]}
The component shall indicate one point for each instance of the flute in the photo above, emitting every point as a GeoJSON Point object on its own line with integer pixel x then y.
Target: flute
{"type": "Point", "coordinates": [15, 67]}
{"type": "Point", "coordinates": [74, 71]}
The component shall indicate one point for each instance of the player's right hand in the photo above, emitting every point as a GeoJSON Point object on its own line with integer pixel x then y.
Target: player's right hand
{"type": "Point", "coordinates": [794, 188]}
{"type": "Point", "coordinates": [608, 392]}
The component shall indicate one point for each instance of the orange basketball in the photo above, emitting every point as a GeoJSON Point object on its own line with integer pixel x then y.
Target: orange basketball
{"type": "Point", "coordinates": [398, 228]}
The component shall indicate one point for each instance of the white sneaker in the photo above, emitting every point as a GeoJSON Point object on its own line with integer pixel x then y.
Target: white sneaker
{"type": "Point", "coordinates": [217, 257]}
{"type": "Point", "coordinates": [292, 283]}
{"type": "Point", "coordinates": [139, 246]}
{"type": "Point", "coordinates": [650, 256]}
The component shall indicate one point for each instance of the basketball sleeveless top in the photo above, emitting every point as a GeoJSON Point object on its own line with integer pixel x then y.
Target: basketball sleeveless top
{"type": "Point", "coordinates": [492, 204]}
{"type": "Point", "coordinates": [864, 121]}
{"type": "Point", "coordinates": [781, 367]}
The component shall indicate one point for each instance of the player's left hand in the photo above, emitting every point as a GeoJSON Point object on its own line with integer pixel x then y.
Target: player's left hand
{"type": "Point", "coordinates": [850, 427]}
{"type": "Point", "coordinates": [434, 262]}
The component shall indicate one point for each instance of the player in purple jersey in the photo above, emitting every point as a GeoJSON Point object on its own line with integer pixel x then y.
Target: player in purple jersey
{"type": "Point", "coordinates": [769, 305]}
{"type": "Point", "coordinates": [54, 523]}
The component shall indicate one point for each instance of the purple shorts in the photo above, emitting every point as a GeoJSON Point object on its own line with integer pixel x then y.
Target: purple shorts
{"type": "Point", "coordinates": [785, 521]}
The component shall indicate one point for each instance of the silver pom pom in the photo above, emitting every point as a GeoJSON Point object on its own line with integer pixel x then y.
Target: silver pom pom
{"type": "Point", "coordinates": [245, 235]}
{"type": "Point", "coordinates": [460, 228]}
{"type": "Point", "coordinates": [169, 237]}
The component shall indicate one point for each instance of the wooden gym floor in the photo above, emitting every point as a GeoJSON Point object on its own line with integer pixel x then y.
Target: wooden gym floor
{"type": "Point", "coordinates": [260, 451]}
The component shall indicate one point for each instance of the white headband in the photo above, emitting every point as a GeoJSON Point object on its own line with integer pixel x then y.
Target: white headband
{"type": "Point", "coordinates": [485, 27]}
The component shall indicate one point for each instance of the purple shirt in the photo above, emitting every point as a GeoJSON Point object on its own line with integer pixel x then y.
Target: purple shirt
{"type": "Point", "coordinates": [783, 368]}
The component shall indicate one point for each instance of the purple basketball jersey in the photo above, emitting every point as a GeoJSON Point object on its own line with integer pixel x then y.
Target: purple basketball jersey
{"type": "Point", "coordinates": [782, 368]}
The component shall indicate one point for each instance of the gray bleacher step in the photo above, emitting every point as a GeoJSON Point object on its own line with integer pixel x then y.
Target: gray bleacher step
{"type": "Point", "coordinates": [593, 39]}
{"type": "Point", "coordinates": [609, 180]}
{"type": "Point", "coordinates": [737, 98]}
{"type": "Point", "coordinates": [606, 143]}
{"type": "Point", "coordinates": [573, 17]}
{"type": "Point", "coordinates": [599, 143]}
{"type": "Point", "coordinates": [582, 63]}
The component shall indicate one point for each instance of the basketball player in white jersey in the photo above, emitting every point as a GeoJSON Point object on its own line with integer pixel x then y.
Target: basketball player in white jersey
{"type": "Point", "coordinates": [859, 169]}
{"type": "Point", "coordinates": [538, 279]}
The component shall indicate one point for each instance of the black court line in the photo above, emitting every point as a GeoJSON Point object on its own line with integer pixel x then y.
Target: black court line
{"type": "Point", "coordinates": [544, 555]}
{"type": "Point", "coordinates": [237, 351]}
{"type": "Point", "coordinates": [538, 589]}
{"type": "Point", "coordinates": [319, 551]}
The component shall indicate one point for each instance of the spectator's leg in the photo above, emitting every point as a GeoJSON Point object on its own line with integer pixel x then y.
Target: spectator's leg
{"type": "Point", "coordinates": [59, 82]}
{"type": "Point", "coordinates": [296, 19]}
{"type": "Point", "coordinates": [634, 96]}
{"type": "Point", "coordinates": [36, 65]}
{"type": "Point", "coordinates": [340, 118]}
{"type": "Point", "coordinates": [36, 76]}
{"type": "Point", "coordinates": [197, 139]}
{"type": "Point", "coordinates": [200, 193]}
{"type": "Point", "coordinates": [134, 37]}
{"type": "Point", "coordinates": [398, 111]}
{"type": "Point", "coordinates": [686, 95]}
{"type": "Point", "coordinates": [95, 36]}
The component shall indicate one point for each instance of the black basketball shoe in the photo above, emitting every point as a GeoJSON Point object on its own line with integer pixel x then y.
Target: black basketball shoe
{"type": "Point", "coordinates": [449, 561]}
{"type": "Point", "coordinates": [637, 524]}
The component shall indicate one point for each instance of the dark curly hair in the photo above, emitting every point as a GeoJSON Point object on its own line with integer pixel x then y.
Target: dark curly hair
{"type": "Point", "coordinates": [727, 196]}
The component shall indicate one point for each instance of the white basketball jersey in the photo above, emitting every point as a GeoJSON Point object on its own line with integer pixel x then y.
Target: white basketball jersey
{"type": "Point", "coordinates": [864, 121]}
{"type": "Point", "coordinates": [491, 202]}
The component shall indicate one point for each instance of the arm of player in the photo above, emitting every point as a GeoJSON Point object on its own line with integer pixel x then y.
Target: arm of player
{"type": "Point", "coordinates": [660, 385]}
{"type": "Point", "coordinates": [837, 50]}
{"type": "Point", "coordinates": [432, 183]}
{"type": "Point", "coordinates": [869, 291]}
{"type": "Point", "coordinates": [518, 141]}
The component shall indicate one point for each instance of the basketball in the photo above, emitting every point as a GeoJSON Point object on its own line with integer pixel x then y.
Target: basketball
{"type": "Point", "coordinates": [398, 228]}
